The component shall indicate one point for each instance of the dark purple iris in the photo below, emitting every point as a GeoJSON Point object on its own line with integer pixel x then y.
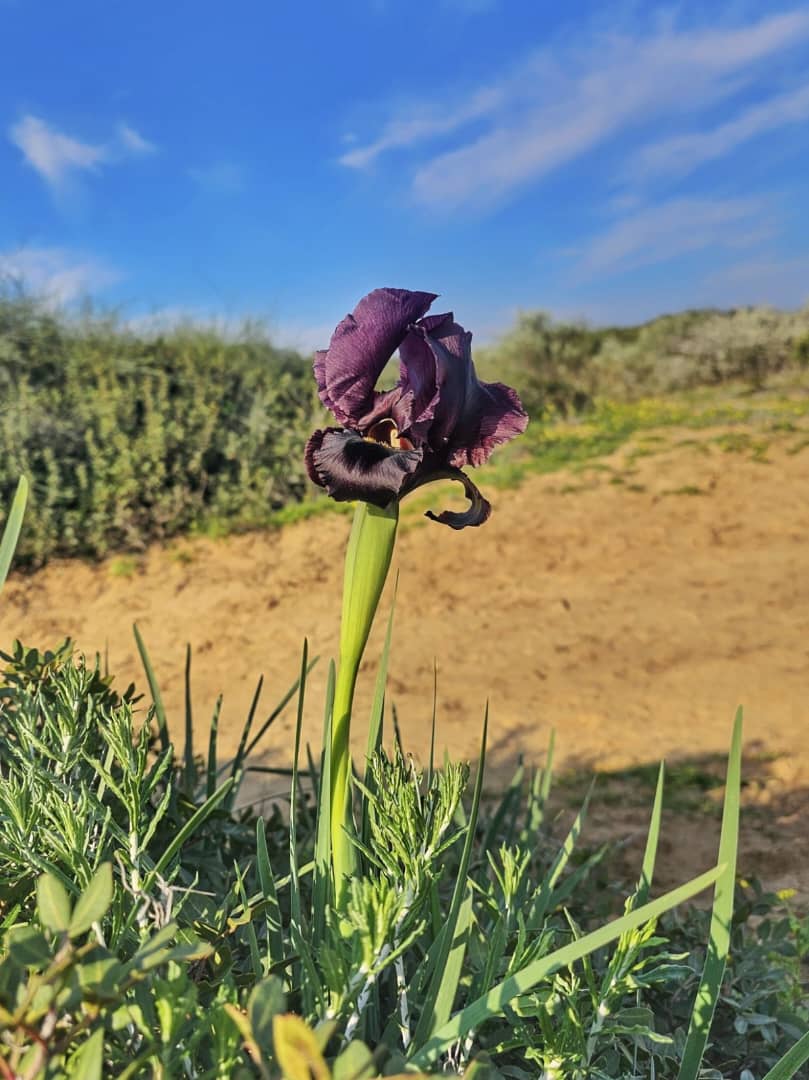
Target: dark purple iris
{"type": "Point", "coordinates": [436, 419]}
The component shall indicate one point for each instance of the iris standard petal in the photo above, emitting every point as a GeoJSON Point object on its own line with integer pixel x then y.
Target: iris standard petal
{"type": "Point", "coordinates": [362, 344]}
{"type": "Point", "coordinates": [471, 417]}
{"type": "Point", "coordinates": [350, 467]}
{"type": "Point", "coordinates": [419, 378]}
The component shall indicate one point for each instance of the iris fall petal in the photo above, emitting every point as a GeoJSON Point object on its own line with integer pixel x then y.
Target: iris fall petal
{"type": "Point", "coordinates": [350, 467]}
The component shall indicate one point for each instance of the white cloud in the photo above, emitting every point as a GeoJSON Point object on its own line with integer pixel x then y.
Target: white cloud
{"type": "Point", "coordinates": [133, 141]}
{"type": "Point", "coordinates": [425, 122]}
{"type": "Point", "coordinates": [659, 233]}
{"type": "Point", "coordinates": [681, 154]}
{"type": "Point", "coordinates": [57, 275]}
{"type": "Point", "coordinates": [566, 99]}
{"type": "Point", "coordinates": [51, 153]}
{"type": "Point", "coordinates": [56, 156]}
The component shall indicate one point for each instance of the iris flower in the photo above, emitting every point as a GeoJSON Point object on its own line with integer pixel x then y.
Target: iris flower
{"type": "Point", "coordinates": [437, 419]}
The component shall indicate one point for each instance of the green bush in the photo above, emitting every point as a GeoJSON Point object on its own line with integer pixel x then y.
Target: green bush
{"type": "Point", "coordinates": [551, 363]}
{"type": "Point", "coordinates": [561, 368]}
{"type": "Point", "coordinates": [802, 351]}
{"type": "Point", "coordinates": [127, 439]}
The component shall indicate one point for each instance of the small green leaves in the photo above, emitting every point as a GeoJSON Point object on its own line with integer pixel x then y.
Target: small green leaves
{"type": "Point", "coordinates": [88, 1061]}
{"type": "Point", "coordinates": [28, 946]}
{"type": "Point", "coordinates": [53, 904]}
{"type": "Point", "coordinates": [265, 1002]}
{"type": "Point", "coordinates": [93, 903]}
{"type": "Point", "coordinates": [355, 1063]}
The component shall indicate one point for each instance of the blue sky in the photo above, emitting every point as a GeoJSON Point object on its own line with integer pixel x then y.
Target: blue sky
{"type": "Point", "coordinates": [278, 159]}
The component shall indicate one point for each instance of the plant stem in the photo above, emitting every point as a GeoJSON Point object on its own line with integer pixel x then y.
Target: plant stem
{"type": "Point", "coordinates": [368, 556]}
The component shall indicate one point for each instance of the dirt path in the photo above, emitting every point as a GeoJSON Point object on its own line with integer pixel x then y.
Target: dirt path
{"type": "Point", "coordinates": [632, 617]}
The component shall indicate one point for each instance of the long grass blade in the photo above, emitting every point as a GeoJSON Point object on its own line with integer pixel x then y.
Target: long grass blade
{"type": "Point", "coordinates": [538, 798]}
{"type": "Point", "coordinates": [241, 752]}
{"type": "Point", "coordinates": [154, 690]}
{"type": "Point", "coordinates": [492, 1003]}
{"type": "Point", "coordinates": [188, 754]}
{"type": "Point", "coordinates": [279, 708]}
{"type": "Point", "coordinates": [545, 898]}
{"type": "Point", "coordinates": [652, 840]}
{"type": "Point", "coordinates": [547, 772]}
{"type": "Point", "coordinates": [431, 769]}
{"type": "Point", "coordinates": [294, 885]}
{"type": "Point", "coordinates": [320, 890]}
{"type": "Point", "coordinates": [249, 929]}
{"type": "Point", "coordinates": [792, 1060]}
{"type": "Point", "coordinates": [444, 981]}
{"type": "Point", "coordinates": [454, 964]}
{"type": "Point", "coordinates": [719, 939]}
{"type": "Point", "coordinates": [11, 533]}
{"type": "Point", "coordinates": [509, 801]}
{"type": "Point", "coordinates": [378, 706]}
{"type": "Point", "coordinates": [377, 720]}
{"type": "Point", "coordinates": [213, 737]}
{"type": "Point", "coordinates": [272, 912]}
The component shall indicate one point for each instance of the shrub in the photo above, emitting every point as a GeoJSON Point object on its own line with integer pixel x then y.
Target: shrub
{"type": "Point", "coordinates": [128, 439]}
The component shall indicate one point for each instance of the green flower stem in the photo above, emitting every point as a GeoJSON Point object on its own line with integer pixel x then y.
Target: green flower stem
{"type": "Point", "coordinates": [370, 548]}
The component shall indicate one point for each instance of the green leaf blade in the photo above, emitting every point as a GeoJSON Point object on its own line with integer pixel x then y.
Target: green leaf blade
{"type": "Point", "coordinates": [53, 904]}
{"type": "Point", "coordinates": [93, 903]}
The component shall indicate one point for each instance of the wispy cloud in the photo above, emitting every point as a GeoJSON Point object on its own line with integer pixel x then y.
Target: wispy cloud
{"type": "Point", "coordinates": [51, 153]}
{"type": "Point", "coordinates": [57, 275]}
{"type": "Point", "coordinates": [57, 156]}
{"type": "Point", "coordinates": [424, 122]}
{"type": "Point", "coordinates": [677, 227]}
{"type": "Point", "coordinates": [563, 101]}
{"type": "Point", "coordinates": [764, 278]}
{"type": "Point", "coordinates": [681, 154]}
{"type": "Point", "coordinates": [133, 141]}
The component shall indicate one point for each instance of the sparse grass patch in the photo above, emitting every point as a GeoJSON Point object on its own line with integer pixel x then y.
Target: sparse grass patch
{"type": "Point", "coordinates": [124, 566]}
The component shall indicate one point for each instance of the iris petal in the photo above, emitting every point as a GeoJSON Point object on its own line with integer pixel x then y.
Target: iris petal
{"type": "Point", "coordinates": [471, 417]}
{"type": "Point", "coordinates": [494, 415]}
{"type": "Point", "coordinates": [479, 508]}
{"type": "Point", "coordinates": [350, 467]}
{"type": "Point", "coordinates": [418, 381]}
{"type": "Point", "coordinates": [362, 344]}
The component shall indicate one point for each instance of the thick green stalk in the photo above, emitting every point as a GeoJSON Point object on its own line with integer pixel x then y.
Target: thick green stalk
{"type": "Point", "coordinates": [370, 548]}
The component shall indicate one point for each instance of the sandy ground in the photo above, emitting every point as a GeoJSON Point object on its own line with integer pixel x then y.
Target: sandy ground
{"type": "Point", "coordinates": [633, 617]}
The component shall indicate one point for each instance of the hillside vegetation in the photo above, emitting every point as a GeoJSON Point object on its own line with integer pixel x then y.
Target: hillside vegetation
{"type": "Point", "coordinates": [564, 368]}
{"type": "Point", "coordinates": [128, 437]}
